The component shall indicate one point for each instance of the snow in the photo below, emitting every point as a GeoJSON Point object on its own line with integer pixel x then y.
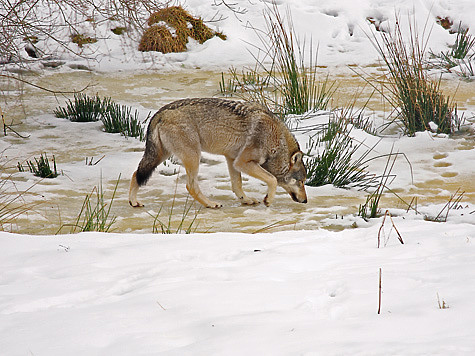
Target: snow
{"type": "Point", "coordinates": [287, 293]}
{"type": "Point", "coordinates": [302, 291]}
{"type": "Point", "coordinates": [340, 29]}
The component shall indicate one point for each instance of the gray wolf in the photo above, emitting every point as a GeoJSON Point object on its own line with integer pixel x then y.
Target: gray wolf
{"type": "Point", "coordinates": [253, 140]}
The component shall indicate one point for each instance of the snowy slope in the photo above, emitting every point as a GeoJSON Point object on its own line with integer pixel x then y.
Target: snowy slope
{"type": "Point", "coordinates": [339, 28]}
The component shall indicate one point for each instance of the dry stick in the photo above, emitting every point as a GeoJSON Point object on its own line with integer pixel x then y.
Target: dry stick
{"type": "Point", "coordinates": [395, 228]}
{"type": "Point", "coordinates": [450, 204]}
{"type": "Point", "coordinates": [387, 213]}
{"type": "Point", "coordinates": [379, 301]}
{"type": "Point", "coordinates": [413, 200]}
{"type": "Point", "coordinates": [381, 228]}
{"type": "Point", "coordinates": [161, 306]}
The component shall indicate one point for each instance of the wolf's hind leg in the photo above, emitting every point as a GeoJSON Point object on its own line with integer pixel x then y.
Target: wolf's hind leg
{"type": "Point", "coordinates": [143, 173]}
{"type": "Point", "coordinates": [236, 184]}
{"type": "Point", "coordinates": [134, 188]}
{"type": "Point", "coordinates": [191, 163]}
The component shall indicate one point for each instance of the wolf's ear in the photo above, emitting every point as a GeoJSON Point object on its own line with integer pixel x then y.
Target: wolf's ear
{"type": "Point", "coordinates": [296, 157]}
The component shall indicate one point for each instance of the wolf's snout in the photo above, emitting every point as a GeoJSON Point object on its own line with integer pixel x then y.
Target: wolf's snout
{"type": "Point", "coordinates": [297, 199]}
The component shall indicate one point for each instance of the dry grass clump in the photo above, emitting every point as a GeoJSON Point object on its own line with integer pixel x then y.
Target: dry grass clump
{"type": "Point", "coordinates": [81, 39]}
{"type": "Point", "coordinates": [170, 28]}
{"type": "Point", "coordinates": [159, 38]}
{"type": "Point", "coordinates": [416, 97]}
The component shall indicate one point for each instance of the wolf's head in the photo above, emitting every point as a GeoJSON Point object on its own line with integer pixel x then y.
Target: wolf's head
{"type": "Point", "coordinates": [294, 180]}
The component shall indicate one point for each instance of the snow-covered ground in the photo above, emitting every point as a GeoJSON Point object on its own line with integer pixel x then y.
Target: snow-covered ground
{"type": "Point", "coordinates": [296, 292]}
{"type": "Point", "coordinates": [339, 28]}
{"type": "Point", "coordinates": [288, 293]}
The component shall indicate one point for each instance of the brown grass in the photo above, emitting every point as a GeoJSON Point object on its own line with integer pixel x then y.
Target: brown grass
{"type": "Point", "coordinates": [81, 40]}
{"type": "Point", "coordinates": [159, 38]}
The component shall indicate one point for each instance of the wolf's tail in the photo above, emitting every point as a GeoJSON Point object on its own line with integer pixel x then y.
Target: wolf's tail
{"type": "Point", "coordinates": [154, 155]}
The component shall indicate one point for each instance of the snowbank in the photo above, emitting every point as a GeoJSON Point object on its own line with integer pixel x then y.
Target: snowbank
{"type": "Point", "coordinates": [289, 293]}
{"type": "Point", "coordinates": [339, 28]}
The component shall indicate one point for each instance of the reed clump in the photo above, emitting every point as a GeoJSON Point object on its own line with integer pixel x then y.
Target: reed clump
{"type": "Point", "coordinates": [40, 167]}
{"type": "Point", "coordinates": [416, 97]}
{"type": "Point", "coordinates": [284, 78]}
{"type": "Point", "coordinates": [13, 203]}
{"type": "Point", "coordinates": [115, 118]}
{"type": "Point", "coordinates": [334, 161]}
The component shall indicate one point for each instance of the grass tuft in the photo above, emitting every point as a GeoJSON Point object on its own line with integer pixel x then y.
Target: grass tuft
{"type": "Point", "coordinates": [41, 167]}
{"type": "Point", "coordinates": [416, 98]}
{"type": "Point", "coordinates": [83, 108]}
{"type": "Point", "coordinates": [289, 84]}
{"type": "Point", "coordinates": [95, 214]}
{"type": "Point", "coordinates": [81, 39]}
{"type": "Point", "coordinates": [115, 118]}
{"type": "Point", "coordinates": [119, 119]}
{"type": "Point", "coordinates": [370, 209]}
{"type": "Point", "coordinates": [160, 227]}
{"type": "Point", "coordinates": [452, 204]}
{"type": "Point", "coordinates": [12, 201]}
{"type": "Point", "coordinates": [460, 55]}
{"type": "Point", "coordinates": [169, 30]}
{"type": "Point", "coordinates": [336, 164]}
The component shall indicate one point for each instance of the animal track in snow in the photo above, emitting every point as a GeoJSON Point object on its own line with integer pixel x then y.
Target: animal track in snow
{"type": "Point", "coordinates": [440, 156]}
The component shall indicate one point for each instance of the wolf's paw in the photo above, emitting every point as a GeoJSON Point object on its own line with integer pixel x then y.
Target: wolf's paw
{"type": "Point", "coordinates": [135, 204]}
{"type": "Point", "coordinates": [267, 201]}
{"type": "Point", "coordinates": [214, 205]}
{"type": "Point", "coordinates": [249, 201]}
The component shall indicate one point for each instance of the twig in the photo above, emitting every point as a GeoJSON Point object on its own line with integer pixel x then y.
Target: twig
{"type": "Point", "coordinates": [450, 205]}
{"type": "Point", "coordinates": [395, 228]}
{"type": "Point", "coordinates": [380, 292]}
{"type": "Point", "coordinates": [90, 161]}
{"type": "Point", "coordinates": [387, 213]}
{"type": "Point", "coordinates": [271, 226]}
{"type": "Point", "coordinates": [43, 88]}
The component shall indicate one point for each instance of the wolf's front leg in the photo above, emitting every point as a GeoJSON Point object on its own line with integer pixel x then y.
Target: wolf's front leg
{"type": "Point", "coordinates": [253, 169]}
{"type": "Point", "coordinates": [236, 184]}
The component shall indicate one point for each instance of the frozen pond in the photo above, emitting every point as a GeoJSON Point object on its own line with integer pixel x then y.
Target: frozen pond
{"type": "Point", "coordinates": [438, 169]}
